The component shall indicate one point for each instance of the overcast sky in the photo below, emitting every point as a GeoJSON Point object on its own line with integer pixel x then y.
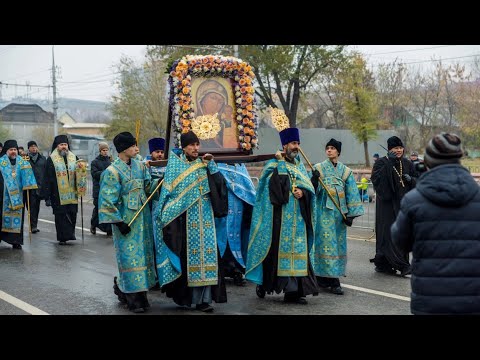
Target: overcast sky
{"type": "Point", "coordinates": [86, 71]}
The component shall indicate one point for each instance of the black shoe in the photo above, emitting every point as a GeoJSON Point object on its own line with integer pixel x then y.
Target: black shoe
{"type": "Point", "coordinates": [17, 246]}
{"type": "Point", "coordinates": [295, 300]}
{"type": "Point", "coordinates": [385, 270]}
{"type": "Point", "coordinates": [93, 230]}
{"type": "Point", "coordinates": [238, 279]}
{"type": "Point", "coordinates": [120, 295]}
{"type": "Point", "coordinates": [109, 233]}
{"type": "Point", "coordinates": [35, 230]}
{"type": "Point", "coordinates": [138, 310]}
{"type": "Point", "coordinates": [337, 290]}
{"type": "Point", "coordinates": [260, 291]}
{"type": "Point", "coordinates": [204, 307]}
{"type": "Point", "coordinates": [62, 243]}
{"type": "Point", "coordinates": [406, 271]}
{"type": "Point", "coordinates": [156, 287]}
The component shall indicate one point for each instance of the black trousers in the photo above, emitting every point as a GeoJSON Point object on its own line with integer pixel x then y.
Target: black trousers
{"type": "Point", "coordinates": [94, 221]}
{"type": "Point", "coordinates": [34, 208]}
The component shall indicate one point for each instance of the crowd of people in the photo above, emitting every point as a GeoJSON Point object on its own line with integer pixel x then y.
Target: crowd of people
{"type": "Point", "coordinates": [185, 227]}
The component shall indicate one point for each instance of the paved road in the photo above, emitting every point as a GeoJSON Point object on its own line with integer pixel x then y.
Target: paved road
{"type": "Point", "coordinates": [77, 279]}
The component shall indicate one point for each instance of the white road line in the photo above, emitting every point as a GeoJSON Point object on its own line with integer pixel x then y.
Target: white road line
{"type": "Point", "coordinates": [76, 227]}
{"type": "Point", "coordinates": [32, 310]}
{"type": "Point", "coordinates": [90, 251]}
{"type": "Point", "coordinates": [376, 292]}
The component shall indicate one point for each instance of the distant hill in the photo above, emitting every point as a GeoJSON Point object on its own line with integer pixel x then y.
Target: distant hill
{"type": "Point", "coordinates": [82, 110]}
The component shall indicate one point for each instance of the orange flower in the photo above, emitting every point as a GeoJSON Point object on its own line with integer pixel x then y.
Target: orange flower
{"type": "Point", "coordinates": [249, 81]}
{"type": "Point", "coordinates": [185, 130]}
{"type": "Point", "coordinates": [249, 107]}
{"type": "Point", "coordinates": [185, 107]}
{"type": "Point", "coordinates": [205, 60]}
{"type": "Point", "coordinates": [251, 124]}
{"type": "Point", "coordinates": [185, 82]}
{"type": "Point", "coordinates": [246, 139]}
{"type": "Point", "coordinates": [249, 99]}
{"type": "Point", "coordinates": [185, 90]}
{"type": "Point", "coordinates": [244, 112]}
{"type": "Point", "coordinates": [242, 82]}
{"type": "Point", "coordinates": [186, 122]}
{"type": "Point", "coordinates": [248, 146]}
{"type": "Point", "coordinates": [245, 121]}
{"type": "Point", "coordinates": [243, 89]}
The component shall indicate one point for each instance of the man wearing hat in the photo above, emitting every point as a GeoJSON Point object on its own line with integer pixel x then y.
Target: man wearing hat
{"type": "Point", "coordinates": [281, 233]}
{"type": "Point", "coordinates": [99, 164]}
{"type": "Point", "coordinates": [157, 148]}
{"type": "Point", "coordinates": [16, 177]}
{"type": "Point", "coordinates": [392, 178]}
{"type": "Point", "coordinates": [330, 226]}
{"type": "Point", "coordinates": [124, 187]}
{"type": "Point", "coordinates": [38, 162]}
{"type": "Point", "coordinates": [438, 222]}
{"type": "Point", "coordinates": [60, 188]}
{"type": "Point", "coordinates": [193, 194]}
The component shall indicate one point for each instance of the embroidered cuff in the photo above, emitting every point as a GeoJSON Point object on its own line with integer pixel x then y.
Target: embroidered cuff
{"type": "Point", "coordinates": [212, 167]}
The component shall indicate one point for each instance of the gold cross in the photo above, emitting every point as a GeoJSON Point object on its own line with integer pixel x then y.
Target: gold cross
{"type": "Point", "coordinates": [200, 188]}
{"type": "Point", "coordinates": [194, 251]}
{"type": "Point", "coordinates": [209, 250]}
{"type": "Point", "coordinates": [138, 277]}
{"type": "Point", "coordinates": [207, 224]}
{"type": "Point", "coordinates": [289, 216]}
{"type": "Point", "coordinates": [134, 262]}
{"type": "Point", "coordinates": [130, 247]}
{"type": "Point", "coordinates": [194, 225]}
{"type": "Point", "coordinates": [325, 234]}
{"type": "Point", "coordinates": [326, 248]}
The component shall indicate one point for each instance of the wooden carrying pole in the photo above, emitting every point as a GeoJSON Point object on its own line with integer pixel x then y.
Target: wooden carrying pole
{"type": "Point", "coordinates": [321, 182]}
{"type": "Point", "coordinates": [146, 202]}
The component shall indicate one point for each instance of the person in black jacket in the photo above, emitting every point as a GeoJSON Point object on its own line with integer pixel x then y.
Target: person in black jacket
{"type": "Point", "coordinates": [439, 223]}
{"type": "Point", "coordinates": [101, 162]}
{"type": "Point", "coordinates": [38, 163]}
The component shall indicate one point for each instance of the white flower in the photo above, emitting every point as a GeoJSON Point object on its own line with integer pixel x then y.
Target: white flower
{"type": "Point", "coordinates": [238, 94]}
{"type": "Point", "coordinates": [239, 117]}
{"type": "Point", "coordinates": [239, 110]}
{"type": "Point", "coordinates": [240, 127]}
{"type": "Point", "coordinates": [237, 88]}
{"type": "Point", "coordinates": [239, 100]}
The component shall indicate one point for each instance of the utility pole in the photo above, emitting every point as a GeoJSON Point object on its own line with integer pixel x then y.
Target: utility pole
{"type": "Point", "coordinates": [55, 105]}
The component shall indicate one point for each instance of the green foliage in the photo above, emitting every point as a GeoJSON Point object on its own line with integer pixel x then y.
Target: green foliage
{"type": "Point", "coordinates": [5, 133]}
{"type": "Point", "coordinates": [283, 72]}
{"type": "Point", "coordinates": [142, 96]}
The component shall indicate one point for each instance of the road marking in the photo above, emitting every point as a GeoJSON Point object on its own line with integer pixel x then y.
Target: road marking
{"type": "Point", "coordinates": [76, 227]}
{"type": "Point", "coordinates": [90, 251]}
{"type": "Point", "coordinates": [376, 292]}
{"type": "Point", "coordinates": [32, 310]}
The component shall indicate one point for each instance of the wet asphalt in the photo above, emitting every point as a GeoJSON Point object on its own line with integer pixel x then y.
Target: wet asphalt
{"type": "Point", "coordinates": [77, 279]}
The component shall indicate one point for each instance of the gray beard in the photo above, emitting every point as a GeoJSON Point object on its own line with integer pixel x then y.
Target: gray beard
{"type": "Point", "coordinates": [63, 153]}
{"type": "Point", "coordinates": [291, 154]}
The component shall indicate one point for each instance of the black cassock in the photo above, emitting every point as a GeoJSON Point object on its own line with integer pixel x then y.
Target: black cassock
{"type": "Point", "coordinates": [389, 190]}
{"type": "Point", "coordinates": [294, 287]}
{"type": "Point", "coordinates": [175, 237]}
{"type": "Point", "coordinates": [65, 215]}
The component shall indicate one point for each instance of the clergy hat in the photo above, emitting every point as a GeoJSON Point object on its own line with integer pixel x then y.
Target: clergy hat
{"type": "Point", "coordinates": [156, 144]}
{"type": "Point", "coordinates": [443, 149]}
{"type": "Point", "coordinates": [60, 139]}
{"type": "Point", "coordinates": [336, 144]}
{"type": "Point", "coordinates": [394, 141]}
{"type": "Point", "coordinates": [188, 138]}
{"type": "Point", "coordinates": [123, 141]}
{"type": "Point", "coordinates": [8, 145]}
{"type": "Point", "coordinates": [376, 155]}
{"type": "Point", "coordinates": [288, 135]}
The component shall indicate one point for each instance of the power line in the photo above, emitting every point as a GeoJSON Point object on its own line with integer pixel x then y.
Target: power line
{"type": "Point", "coordinates": [410, 50]}
{"type": "Point", "coordinates": [26, 85]}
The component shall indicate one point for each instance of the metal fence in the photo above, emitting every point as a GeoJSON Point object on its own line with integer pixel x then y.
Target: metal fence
{"type": "Point", "coordinates": [367, 196]}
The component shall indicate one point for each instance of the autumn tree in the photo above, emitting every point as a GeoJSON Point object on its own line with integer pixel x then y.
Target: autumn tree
{"type": "Point", "coordinates": [359, 102]}
{"type": "Point", "coordinates": [142, 96]}
{"type": "Point", "coordinates": [283, 72]}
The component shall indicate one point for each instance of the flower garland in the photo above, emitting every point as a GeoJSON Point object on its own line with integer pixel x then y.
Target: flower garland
{"type": "Point", "coordinates": [238, 71]}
